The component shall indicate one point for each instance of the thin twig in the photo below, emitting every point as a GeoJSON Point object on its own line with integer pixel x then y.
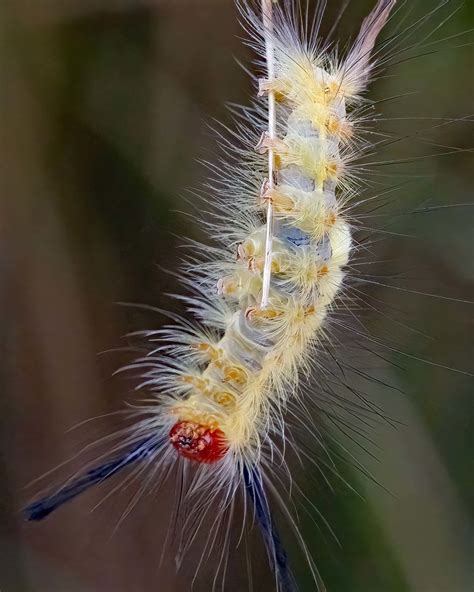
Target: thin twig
{"type": "Point", "coordinates": [267, 15]}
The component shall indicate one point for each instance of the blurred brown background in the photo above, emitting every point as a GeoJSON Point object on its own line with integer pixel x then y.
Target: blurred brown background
{"type": "Point", "coordinates": [104, 111]}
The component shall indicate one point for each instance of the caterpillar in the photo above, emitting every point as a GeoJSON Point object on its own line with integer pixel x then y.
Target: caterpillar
{"type": "Point", "coordinates": [221, 386]}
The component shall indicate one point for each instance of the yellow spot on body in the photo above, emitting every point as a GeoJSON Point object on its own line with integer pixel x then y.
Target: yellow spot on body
{"type": "Point", "coordinates": [322, 271]}
{"type": "Point", "coordinates": [281, 203]}
{"type": "Point", "coordinates": [333, 169]}
{"type": "Point", "coordinates": [200, 384]}
{"type": "Point", "coordinates": [235, 374]}
{"type": "Point", "coordinates": [339, 127]}
{"type": "Point", "coordinates": [229, 286]}
{"type": "Point", "coordinates": [202, 347]}
{"type": "Point", "coordinates": [331, 219]}
{"type": "Point", "coordinates": [263, 313]}
{"type": "Point", "coordinates": [331, 91]}
{"type": "Point", "coordinates": [212, 352]}
{"type": "Point", "coordinates": [249, 248]}
{"type": "Point", "coordinates": [224, 399]}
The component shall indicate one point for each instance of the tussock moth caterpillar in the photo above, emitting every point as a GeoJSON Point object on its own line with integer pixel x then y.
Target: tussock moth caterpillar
{"type": "Point", "coordinates": [264, 299]}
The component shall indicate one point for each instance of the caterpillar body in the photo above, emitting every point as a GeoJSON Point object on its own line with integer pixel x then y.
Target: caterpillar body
{"type": "Point", "coordinates": [220, 385]}
{"type": "Point", "coordinates": [229, 397]}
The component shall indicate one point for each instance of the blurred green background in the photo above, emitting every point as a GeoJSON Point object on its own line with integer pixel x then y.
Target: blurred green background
{"type": "Point", "coordinates": [104, 112]}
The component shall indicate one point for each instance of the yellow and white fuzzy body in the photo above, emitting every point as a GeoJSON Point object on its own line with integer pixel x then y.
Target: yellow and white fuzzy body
{"type": "Point", "coordinates": [263, 297]}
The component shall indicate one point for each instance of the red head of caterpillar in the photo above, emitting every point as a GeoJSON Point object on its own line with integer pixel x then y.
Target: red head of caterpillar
{"type": "Point", "coordinates": [200, 443]}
